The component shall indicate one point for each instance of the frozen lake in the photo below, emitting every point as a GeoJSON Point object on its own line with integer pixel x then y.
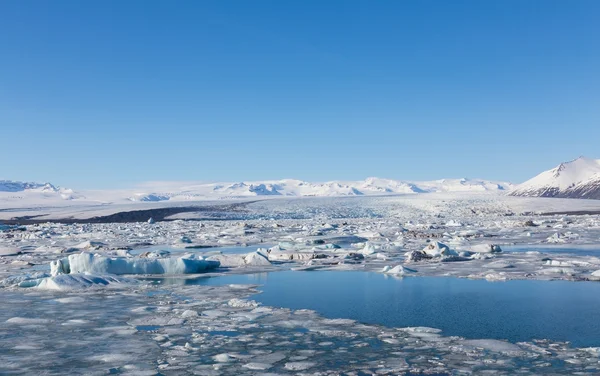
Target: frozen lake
{"type": "Point", "coordinates": [513, 310]}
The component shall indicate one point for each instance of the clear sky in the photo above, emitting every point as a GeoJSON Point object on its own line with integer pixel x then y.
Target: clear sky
{"type": "Point", "coordinates": [109, 93]}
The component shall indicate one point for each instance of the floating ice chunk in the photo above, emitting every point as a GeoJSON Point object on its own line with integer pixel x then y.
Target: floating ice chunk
{"type": "Point", "coordinates": [182, 241]}
{"type": "Point", "coordinates": [189, 313]}
{"type": "Point", "coordinates": [275, 255]}
{"type": "Point", "coordinates": [27, 321]}
{"type": "Point", "coordinates": [495, 277]}
{"type": "Point", "coordinates": [557, 270]}
{"type": "Point", "coordinates": [486, 248]}
{"type": "Point", "coordinates": [152, 254]}
{"type": "Point", "coordinates": [369, 249]}
{"type": "Point", "coordinates": [240, 303]}
{"type": "Point", "coordinates": [252, 259]}
{"type": "Point", "coordinates": [91, 245]}
{"type": "Point", "coordinates": [370, 234]}
{"type": "Point", "coordinates": [558, 263]}
{"type": "Point", "coordinates": [556, 238]}
{"type": "Point", "coordinates": [437, 249]}
{"type": "Point", "coordinates": [72, 299]}
{"type": "Point", "coordinates": [88, 263]}
{"type": "Point", "coordinates": [595, 276]}
{"type": "Point", "coordinates": [493, 345]}
{"type": "Point", "coordinates": [229, 261]}
{"type": "Point", "coordinates": [398, 269]}
{"type": "Point", "coordinates": [78, 281]}
{"type": "Point", "coordinates": [18, 280]}
{"type": "Point", "coordinates": [9, 251]}
{"type": "Point", "coordinates": [299, 366]}
{"type": "Point", "coordinates": [256, 259]}
{"type": "Point", "coordinates": [222, 358]}
{"type": "Point", "coordinates": [453, 223]}
{"type": "Point", "coordinates": [258, 366]}
{"type": "Point", "coordinates": [500, 264]}
{"type": "Point", "coordinates": [414, 256]}
{"type": "Point", "coordinates": [157, 321]}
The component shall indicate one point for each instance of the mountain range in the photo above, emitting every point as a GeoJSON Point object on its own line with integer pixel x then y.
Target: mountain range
{"type": "Point", "coordinates": [579, 178]}
{"type": "Point", "coordinates": [177, 191]}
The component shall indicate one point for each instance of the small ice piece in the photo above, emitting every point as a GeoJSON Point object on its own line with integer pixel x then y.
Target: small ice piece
{"type": "Point", "coordinates": [151, 220]}
{"type": "Point", "coordinates": [256, 259]}
{"type": "Point", "coordinates": [369, 249]}
{"type": "Point", "coordinates": [258, 366]}
{"type": "Point", "coordinates": [398, 270]}
{"type": "Point", "coordinates": [71, 299]}
{"type": "Point", "coordinates": [27, 321]}
{"type": "Point", "coordinates": [557, 270]}
{"type": "Point", "coordinates": [437, 249]}
{"type": "Point", "coordinates": [9, 251]}
{"type": "Point", "coordinates": [241, 303]}
{"type": "Point", "coordinates": [414, 256]}
{"type": "Point", "coordinates": [90, 245]}
{"type": "Point", "coordinates": [558, 263]}
{"type": "Point", "coordinates": [453, 223]}
{"type": "Point", "coordinates": [486, 248]}
{"type": "Point", "coordinates": [299, 366]}
{"type": "Point", "coordinates": [369, 234]}
{"type": "Point", "coordinates": [189, 313]}
{"type": "Point", "coordinates": [222, 358]}
{"type": "Point", "coordinates": [556, 238]}
{"type": "Point", "coordinates": [495, 277]}
{"type": "Point", "coordinates": [291, 256]}
{"type": "Point", "coordinates": [493, 345]}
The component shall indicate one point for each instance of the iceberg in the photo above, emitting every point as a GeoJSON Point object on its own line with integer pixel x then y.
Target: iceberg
{"type": "Point", "coordinates": [94, 263]}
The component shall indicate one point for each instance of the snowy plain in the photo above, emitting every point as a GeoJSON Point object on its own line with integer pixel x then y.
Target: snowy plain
{"type": "Point", "coordinates": [92, 278]}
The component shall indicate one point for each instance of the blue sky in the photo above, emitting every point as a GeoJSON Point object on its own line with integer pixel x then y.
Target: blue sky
{"type": "Point", "coordinates": [109, 93]}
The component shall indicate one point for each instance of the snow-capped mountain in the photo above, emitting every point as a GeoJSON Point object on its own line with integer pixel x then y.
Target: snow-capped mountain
{"type": "Point", "coordinates": [579, 178]}
{"type": "Point", "coordinates": [19, 186]}
{"type": "Point", "coordinates": [18, 190]}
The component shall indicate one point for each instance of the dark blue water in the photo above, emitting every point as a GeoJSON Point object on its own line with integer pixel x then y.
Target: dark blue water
{"type": "Point", "coordinates": [513, 310]}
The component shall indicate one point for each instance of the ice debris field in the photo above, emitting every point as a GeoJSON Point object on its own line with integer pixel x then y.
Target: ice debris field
{"type": "Point", "coordinates": [123, 298]}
